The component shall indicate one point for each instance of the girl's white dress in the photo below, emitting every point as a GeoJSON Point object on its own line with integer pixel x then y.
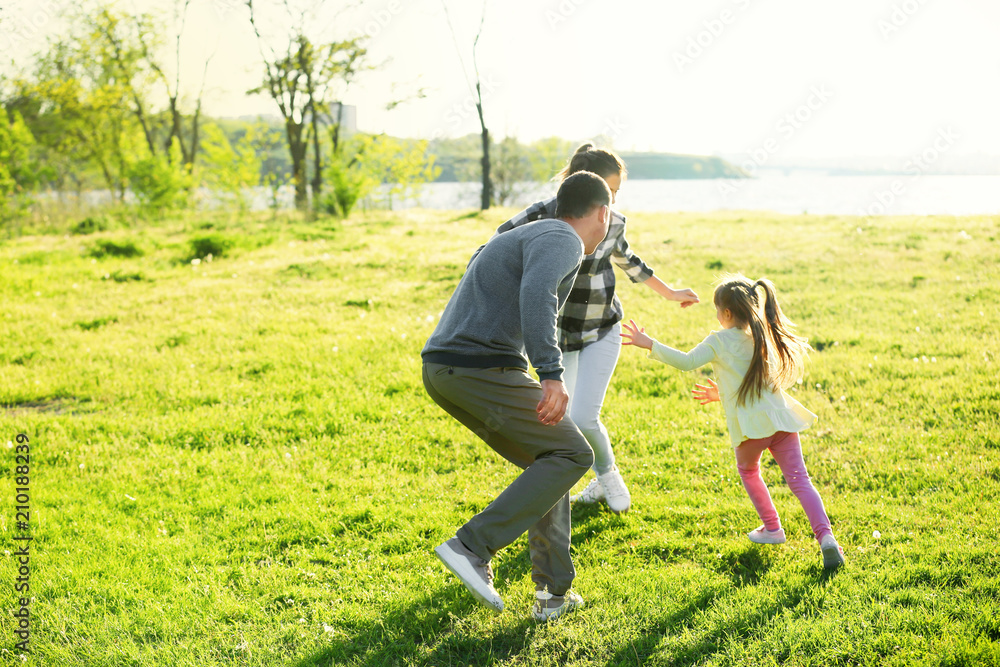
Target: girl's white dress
{"type": "Point", "coordinates": [729, 351]}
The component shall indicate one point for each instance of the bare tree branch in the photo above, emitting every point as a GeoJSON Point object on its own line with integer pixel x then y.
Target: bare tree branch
{"type": "Point", "coordinates": [487, 192]}
{"type": "Point", "coordinates": [458, 49]}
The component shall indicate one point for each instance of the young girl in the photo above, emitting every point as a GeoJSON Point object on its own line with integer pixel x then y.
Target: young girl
{"type": "Point", "coordinates": [589, 329]}
{"type": "Point", "coordinates": [755, 357]}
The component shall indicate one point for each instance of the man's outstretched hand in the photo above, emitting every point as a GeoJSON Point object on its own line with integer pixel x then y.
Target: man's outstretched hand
{"type": "Point", "coordinates": [552, 407]}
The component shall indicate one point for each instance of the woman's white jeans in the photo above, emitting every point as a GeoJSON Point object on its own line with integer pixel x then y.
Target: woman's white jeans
{"type": "Point", "coordinates": [587, 375]}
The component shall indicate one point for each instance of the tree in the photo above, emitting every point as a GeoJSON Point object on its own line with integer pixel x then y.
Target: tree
{"type": "Point", "coordinates": [511, 169]}
{"type": "Point", "coordinates": [77, 106]}
{"type": "Point", "coordinates": [338, 65]}
{"type": "Point", "coordinates": [161, 182]}
{"type": "Point", "coordinates": [487, 193]}
{"type": "Point", "coordinates": [401, 166]}
{"type": "Point", "coordinates": [302, 81]}
{"type": "Point", "coordinates": [231, 172]}
{"type": "Point", "coordinates": [87, 100]}
{"type": "Point", "coordinates": [144, 42]}
{"type": "Point", "coordinates": [517, 168]}
{"type": "Point", "coordinates": [120, 52]}
{"type": "Point", "coordinates": [546, 157]}
{"type": "Point", "coordinates": [377, 167]}
{"type": "Point", "coordinates": [18, 172]}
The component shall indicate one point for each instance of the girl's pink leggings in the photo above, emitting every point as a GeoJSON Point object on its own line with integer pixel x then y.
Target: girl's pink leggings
{"type": "Point", "coordinates": [787, 451]}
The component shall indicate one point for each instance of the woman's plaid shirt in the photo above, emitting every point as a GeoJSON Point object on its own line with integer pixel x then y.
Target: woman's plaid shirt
{"type": "Point", "coordinates": [592, 308]}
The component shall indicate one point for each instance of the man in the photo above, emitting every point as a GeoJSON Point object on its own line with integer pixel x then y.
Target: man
{"type": "Point", "coordinates": [502, 317]}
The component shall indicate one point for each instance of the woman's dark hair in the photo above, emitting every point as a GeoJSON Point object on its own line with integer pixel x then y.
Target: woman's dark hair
{"type": "Point", "coordinates": [588, 157]}
{"type": "Point", "coordinates": [580, 193]}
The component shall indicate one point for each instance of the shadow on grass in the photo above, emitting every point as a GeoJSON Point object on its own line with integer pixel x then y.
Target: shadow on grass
{"type": "Point", "coordinates": [467, 216]}
{"type": "Point", "coordinates": [744, 568]}
{"type": "Point", "coordinates": [714, 637]}
{"type": "Point", "coordinates": [423, 633]}
{"type": "Point", "coordinates": [429, 630]}
{"type": "Point", "coordinates": [589, 521]}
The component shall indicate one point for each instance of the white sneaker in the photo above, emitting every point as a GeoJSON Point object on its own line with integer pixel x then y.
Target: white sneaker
{"type": "Point", "coordinates": [549, 607]}
{"type": "Point", "coordinates": [833, 555]}
{"type": "Point", "coordinates": [473, 571]}
{"type": "Point", "coordinates": [762, 535]}
{"type": "Point", "coordinates": [593, 493]}
{"type": "Point", "coordinates": [615, 491]}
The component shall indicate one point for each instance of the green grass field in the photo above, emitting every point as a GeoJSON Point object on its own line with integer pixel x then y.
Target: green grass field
{"type": "Point", "coordinates": [233, 461]}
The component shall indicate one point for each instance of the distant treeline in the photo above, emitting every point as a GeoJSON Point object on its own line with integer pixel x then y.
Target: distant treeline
{"type": "Point", "coordinates": [95, 109]}
{"type": "Point", "coordinates": [673, 165]}
{"type": "Point", "coordinates": [458, 160]}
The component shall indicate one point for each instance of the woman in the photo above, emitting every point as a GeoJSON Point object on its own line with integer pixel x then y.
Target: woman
{"type": "Point", "coordinates": [589, 323]}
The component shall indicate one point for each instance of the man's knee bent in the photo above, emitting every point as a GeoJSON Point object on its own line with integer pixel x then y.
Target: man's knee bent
{"type": "Point", "coordinates": [581, 454]}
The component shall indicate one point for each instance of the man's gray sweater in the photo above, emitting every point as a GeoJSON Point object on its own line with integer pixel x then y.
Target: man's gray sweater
{"type": "Point", "coordinates": [504, 310]}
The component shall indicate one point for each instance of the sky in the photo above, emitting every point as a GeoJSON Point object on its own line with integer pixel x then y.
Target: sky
{"type": "Point", "coordinates": [772, 78]}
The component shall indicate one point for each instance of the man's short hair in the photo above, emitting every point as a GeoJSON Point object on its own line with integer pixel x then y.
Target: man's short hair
{"type": "Point", "coordinates": [580, 194]}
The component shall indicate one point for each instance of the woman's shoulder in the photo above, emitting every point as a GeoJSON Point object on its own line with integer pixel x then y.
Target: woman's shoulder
{"type": "Point", "coordinates": [540, 210]}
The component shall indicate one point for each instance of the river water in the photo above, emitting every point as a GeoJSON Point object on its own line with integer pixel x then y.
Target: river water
{"type": "Point", "coordinates": [805, 192]}
{"type": "Point", "coordinates": [795, 193]}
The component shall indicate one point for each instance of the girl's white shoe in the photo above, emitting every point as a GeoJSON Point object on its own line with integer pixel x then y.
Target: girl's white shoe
{"type": "Point", "coordinates": [762, 535]}
{"type": "Point", "coordinates": [833, 555]}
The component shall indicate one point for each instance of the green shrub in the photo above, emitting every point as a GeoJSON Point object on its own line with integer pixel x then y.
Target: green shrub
{"type": "Point", "coordinates": [91, 325]}
{"type": "Point", "coordinates": [347, 186]}
{"type": "Point", "coordinates": [109, 248]}
{"type": "Point", "coordinates": [160, 184]}
{"type": "Point", "coordinates": [215, 245]}
{"type": "Point", "coordinates": [125, 276]}
{"type": "Point", "coordinates": [90, 224]}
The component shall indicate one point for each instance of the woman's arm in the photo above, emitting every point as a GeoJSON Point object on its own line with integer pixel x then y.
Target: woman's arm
{"type": "Point", "coordinates": [686, 297]}
{"type": "Point", "coordinates": [622, 255]}
{"type": "Point", "coordinates": [639, 272]}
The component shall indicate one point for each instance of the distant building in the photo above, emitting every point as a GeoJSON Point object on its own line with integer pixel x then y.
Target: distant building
{"type": "Point", "coordinates": [348, 118]}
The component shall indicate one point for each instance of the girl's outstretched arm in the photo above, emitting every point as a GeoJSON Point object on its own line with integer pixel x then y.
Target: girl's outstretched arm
{"type": "Point", "coordinates": [703, 354]}
{"type": "Point", "coordinates": [706, 394]}
{"type": "Point", "coordinates": [636, 335]}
